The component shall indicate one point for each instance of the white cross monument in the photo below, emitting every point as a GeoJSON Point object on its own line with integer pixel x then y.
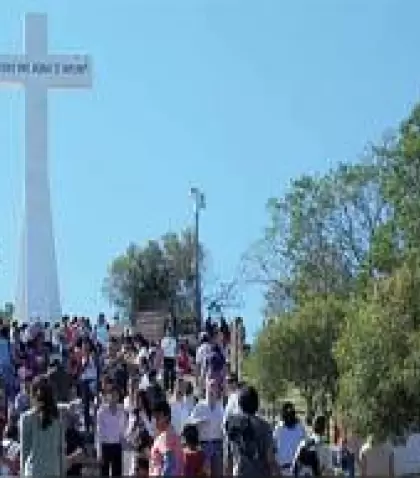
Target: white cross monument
{"type": "Point", "coordinates": [38, 295]}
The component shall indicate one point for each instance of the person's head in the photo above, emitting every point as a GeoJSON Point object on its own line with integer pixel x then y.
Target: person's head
{"type": "Point", "coordinates": [101, 319]}
{"type": "Point", "coordinates": [190, 436]}
{"type": "Point", "coordinates": [232, 383]}
{"type": "Point", "coordinates": [161, 412]}
{"type": "Point", "coordinates": [152, 377]}
{"type": "Point", "coordinates": [107, 385]}
{"type": "Point", "coordinates": [288, 415]}
{"type": "Point", "coordinates": [204, 338]}
{"type": "Point", "coordinates": [212, 390]}
{"type": "Point", "coordinates": [141, 469]}
{"type": "Point", "coordinates": [114, 395]}
{"type": "Point", "coordinates": [44, 401]}
{"type": "Point", "coordinates": [320, 425]}
{"type": "Point", "coordinates": [248, 400]}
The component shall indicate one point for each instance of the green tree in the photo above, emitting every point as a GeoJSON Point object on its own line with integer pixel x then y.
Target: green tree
{"type": "Point", "coordinates": [320, 233]}
{"type": "Point", "coordinates": [262, 367]}
{"type": "Point", "coordinates": [378, 359]}
{"type": "Point", "coordinates": [158, 275]}
{"type": "Point", "coordinates": [400, 179]}
{"type": "Point", "coordinates": [297, 349]}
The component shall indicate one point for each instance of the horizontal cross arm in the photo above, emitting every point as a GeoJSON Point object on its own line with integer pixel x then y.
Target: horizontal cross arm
{"type": "Point", "coordinates": [53, 71]}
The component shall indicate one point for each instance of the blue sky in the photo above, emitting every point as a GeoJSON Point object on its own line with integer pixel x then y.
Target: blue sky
{"type": "Point", "coordinates": [235, 96]}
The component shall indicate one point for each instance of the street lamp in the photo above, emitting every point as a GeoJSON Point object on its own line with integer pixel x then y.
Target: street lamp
{"type": "Point", "coordinates": [199, 205]}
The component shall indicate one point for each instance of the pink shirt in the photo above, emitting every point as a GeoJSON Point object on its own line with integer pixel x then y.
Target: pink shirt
{"type": "Point", "coordinates": [167, 441]}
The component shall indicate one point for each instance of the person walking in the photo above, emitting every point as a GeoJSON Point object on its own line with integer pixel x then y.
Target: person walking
{"type": "Point", "coordinates": [42, 434]}
{"type": "Point", "coordinates": [207, 415]}
{"type": "Point", "coordinates": [111, 422]}
{"type": "Point", "coordinates": [250, 439]}
{"type": "Point", "coordinates": [287, 436]}
{"type": "Point", "coordinates": [166, 457]}
{"type": "Point", "coordinates": [169, 347]}
{"type": "Point", "coordinates": [88, 382]}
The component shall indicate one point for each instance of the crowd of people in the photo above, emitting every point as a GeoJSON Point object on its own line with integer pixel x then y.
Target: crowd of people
{"type": "Point", "coordinates": [76, 400]}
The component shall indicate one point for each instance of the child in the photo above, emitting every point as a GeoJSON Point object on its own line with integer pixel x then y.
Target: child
{"type": "Point", "coordinates": [142, 468]}
{"type": "Point", "coordinates": [193, 455]}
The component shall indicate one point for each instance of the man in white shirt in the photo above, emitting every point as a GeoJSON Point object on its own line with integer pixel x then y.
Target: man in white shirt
{"type": "Point", "coordinates": [169, 347]}
{"type": "Point", "coordinates": [208, 416]}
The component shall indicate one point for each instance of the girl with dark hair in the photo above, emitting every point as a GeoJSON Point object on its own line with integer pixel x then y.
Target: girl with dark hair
{"type": "Point", "coordinates": [42, 434]}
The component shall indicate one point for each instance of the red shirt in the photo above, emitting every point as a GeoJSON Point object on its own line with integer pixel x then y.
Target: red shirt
{"type": "Point", "coordinates": [193, 462]}
{"type": "Point", "coordinates": [184, 362]}
{"type": "Point", "coordinates": [75, 362]}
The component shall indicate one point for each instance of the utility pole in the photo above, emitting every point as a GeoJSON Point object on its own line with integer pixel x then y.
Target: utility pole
{"type": "Point", "coordinates": [199, 205]}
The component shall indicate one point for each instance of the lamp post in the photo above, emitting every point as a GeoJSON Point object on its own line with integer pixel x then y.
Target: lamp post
{"type": "Point", "coordinates": [199, 205]}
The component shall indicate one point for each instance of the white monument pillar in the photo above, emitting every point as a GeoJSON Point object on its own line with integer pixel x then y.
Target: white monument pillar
{"type": "Point", "coordinates": [38, 289]}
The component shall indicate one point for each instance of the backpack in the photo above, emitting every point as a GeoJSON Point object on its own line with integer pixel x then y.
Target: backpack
{"type": "Point", "coordinates": [248, 446]}
{"type": "Point", "coordinates": [307, 462]}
